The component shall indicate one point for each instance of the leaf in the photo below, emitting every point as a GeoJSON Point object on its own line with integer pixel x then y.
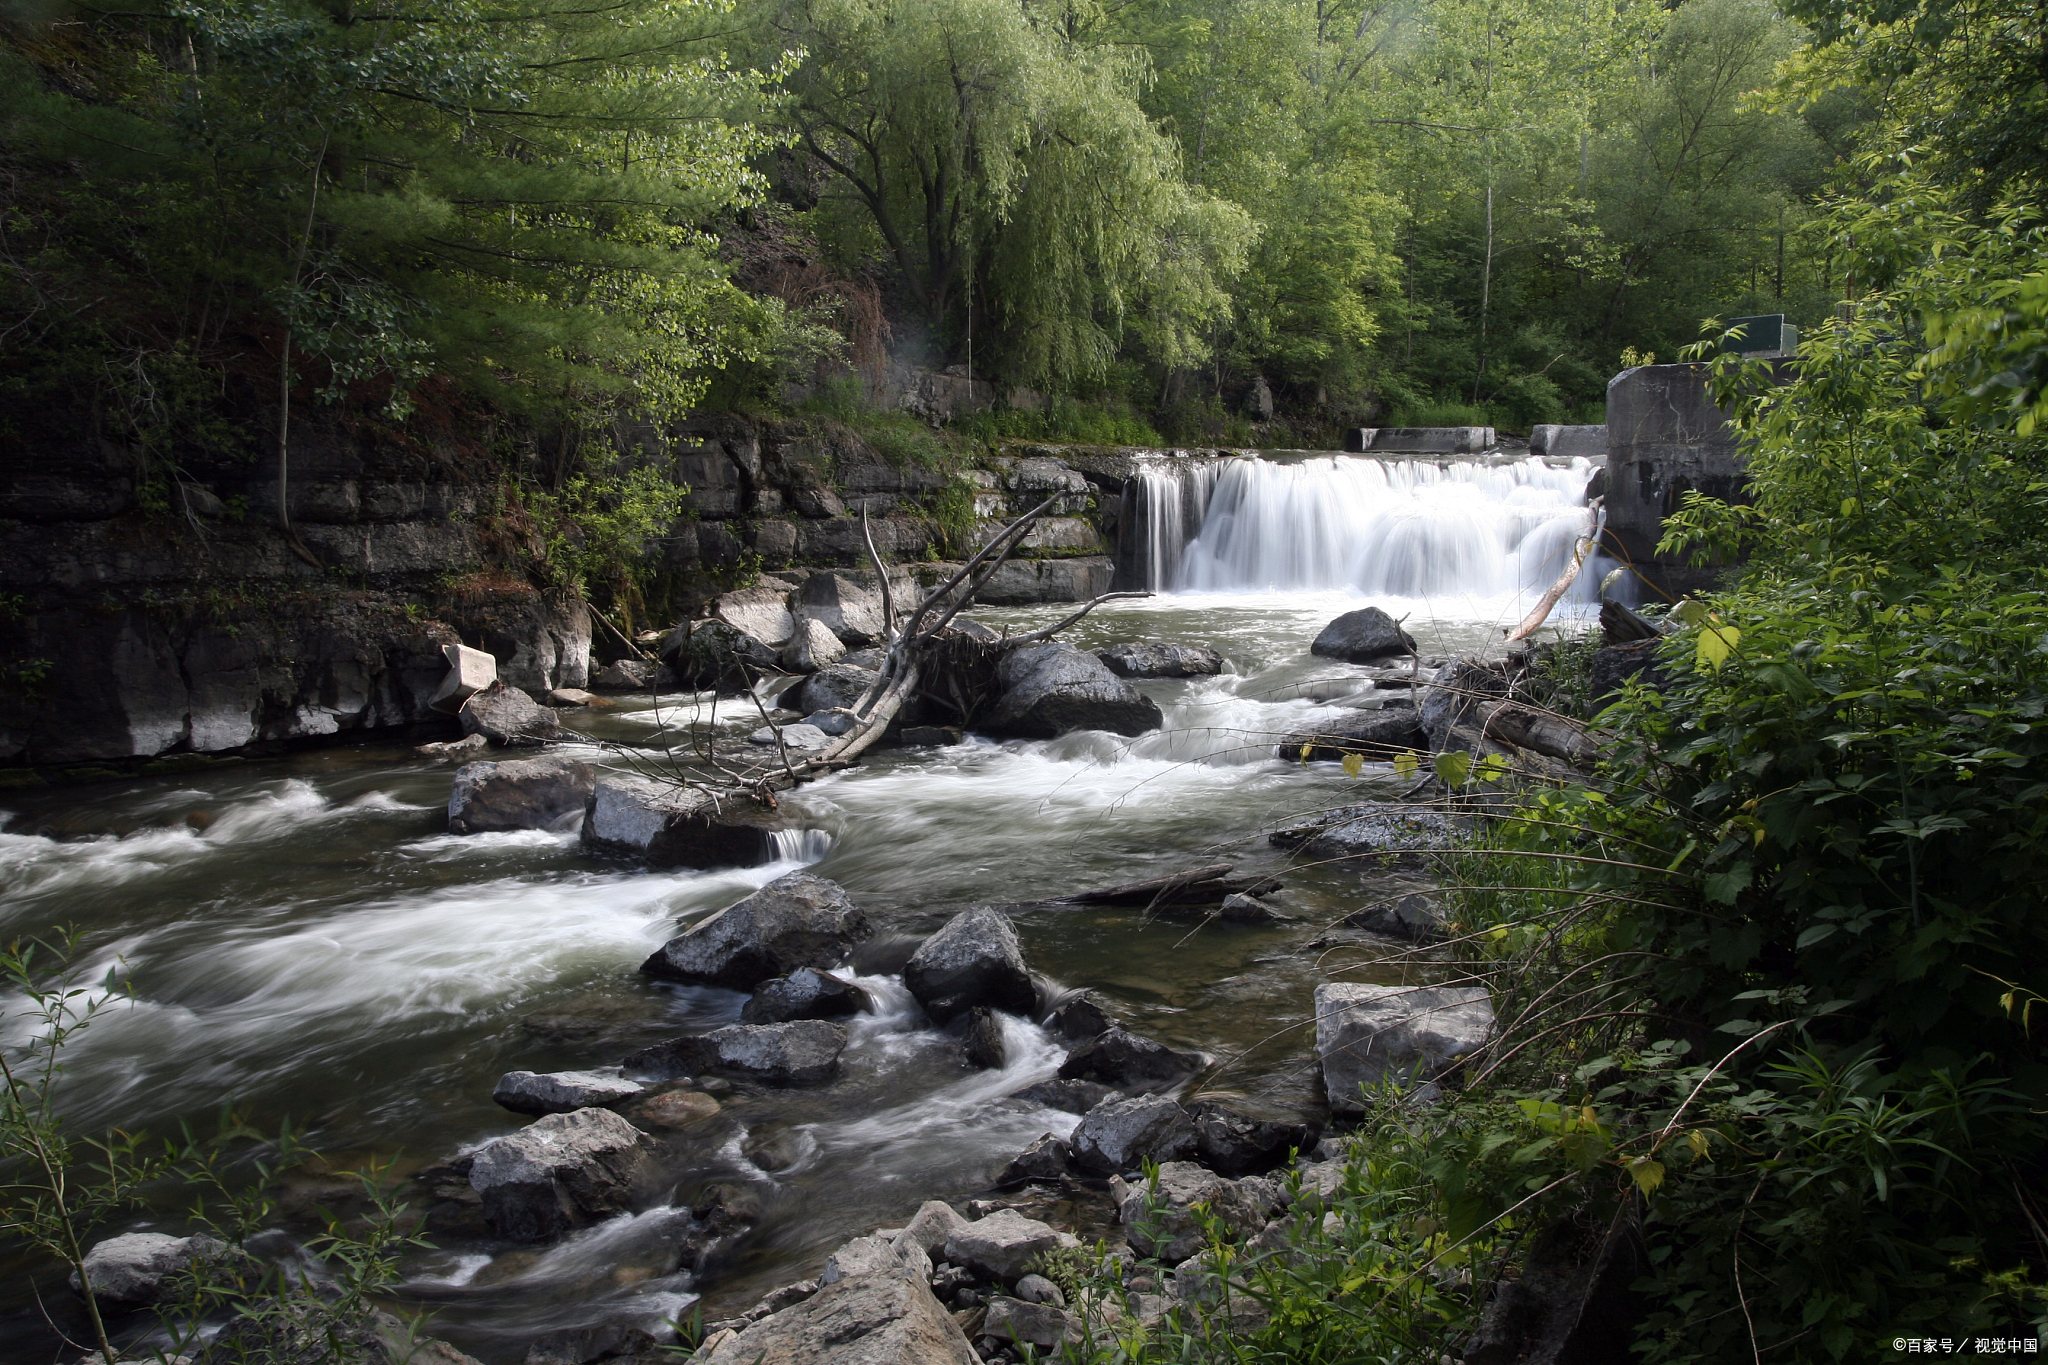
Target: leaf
{"type": "Point", "coordinates": [1405, 765]}
{"type": "Point", "coordinates": [1697, 1140]}
{"type": "Point", "coordinates": [1850, 506]}
{"type": "Point", "coordinates": [1306, 750]}
{"type": "Point", "coordinates": [1723, 887]}
{"type": "Point", "coordinates": [1492, 768]}
{"type": "Point", "coordinates": [1814, 933]}
{"type": "Point", "coordinates": [1354, 764]}
{"type": "Point", "coordinates": [1716, 644]}
{"type": "Point", "coordinates": [1647, 1174]}
{"type": "Point", "coordinates": [1454, 767]}
{"type": "Point", "coordinates": [1690, 612]}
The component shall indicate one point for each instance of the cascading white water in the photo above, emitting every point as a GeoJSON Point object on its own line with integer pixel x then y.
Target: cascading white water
{"type": "Point", "coordinates": [1389, 528]}
{"type": "Point", "coordinates": [1171, 501]}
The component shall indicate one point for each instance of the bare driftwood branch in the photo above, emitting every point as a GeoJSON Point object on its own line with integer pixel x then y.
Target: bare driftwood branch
{"type": "Point", "coordinates": [881, 576]}
{"type": "Point", "coordinates": [1541, 613]}
{"type": "Point", "coordinates": [972, 569]}
{"type": "Point", "coordinates": [1058, 626]}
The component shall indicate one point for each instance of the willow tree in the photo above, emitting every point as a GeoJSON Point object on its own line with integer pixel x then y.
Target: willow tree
{"type": "Point", "coordinates": [1009, 172]}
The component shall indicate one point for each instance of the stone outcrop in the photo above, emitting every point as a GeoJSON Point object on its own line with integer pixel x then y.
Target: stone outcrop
{"type": "Point", "coordinates": [1052, 688]}
{"type": "Point", "coordinates": [560, 1172]}
{"type": "Point", "coordinates": [797, 920]}
{"type": "Point", "coordinates": [802, 1052]}
{"type": "Point", "coordinates": [530, 793]}
{"type": "Point", "coordinates": [1365, 636]}
{"type": "Point", "coordinates": [975, 959]}
{"type": "Point", "coordinates": [1160, 660]}
{"type": "Point", "coordinates": [674, 827]}
{"type": "Point", "coordinates": [1401, 1035]}
{"type": "Point", "coordinates": [844, 606]}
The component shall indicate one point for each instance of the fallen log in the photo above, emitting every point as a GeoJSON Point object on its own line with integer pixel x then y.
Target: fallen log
{"type": "Point", "coordinates": [1140, 892]}
{"type": "Point", "coordinates": [1525, 727]}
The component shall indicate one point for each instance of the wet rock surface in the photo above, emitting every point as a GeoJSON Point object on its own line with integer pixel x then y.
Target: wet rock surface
{"type": "Point", "coordinates": [803, 1052]}
{"type": "Point", "coordinates": [561, 1092]}
{"type": "Point", "coordinates": [530, 793]}
{"type": "Point", "coordinates": [507, 716]}
{"type": "Point", "coordinates": [1129, 1062]}
{"type": "Point", "coordinates": [975, 959]}
{"type": "Point", "coordinates": [797, 920]}
{"type": "Point", "coordinates": [1404, 1035]}
{"type": "Point", "coordinates": [560, 1172]}
{"type": "Point", "coordinates": [1116, 1135]}
{"type": "Point", "coordinates": [1053, 688]}
{"type": "Point", "coordinates": [1377, 736]}
{"type": "Point", "coordinates": [805, 993]}
{"type": "Point", "coordinates": [1160, 660]}
{"type": "Point", "coordinates": [673, 827]}
{"type": "Point", "coordinates": [1365, 636]}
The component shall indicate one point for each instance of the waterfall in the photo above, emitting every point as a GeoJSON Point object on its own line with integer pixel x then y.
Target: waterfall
{"type": "Point", "coordinates": [1381, 528]}
{"type": "Point", "coordinates": [1168, 501]}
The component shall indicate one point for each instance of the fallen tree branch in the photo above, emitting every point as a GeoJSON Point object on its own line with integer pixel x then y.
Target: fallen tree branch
{"type": "Point", "coordinates": [1013, 641]}
{"type": "Point", "coordinates": [1535, 619]}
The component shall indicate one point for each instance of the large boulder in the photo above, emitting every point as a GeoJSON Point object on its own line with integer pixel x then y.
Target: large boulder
{"type": "Point", "coordinates": [561, 1092]}
{"type": "Point", "coordinates": [878, 1255]}
{"type": "Point", "coordinates": [1363, 637]}
{"type": "Point", "coordinates": [505, 715]}
{"type": "Point", "coordinates": [138, 1268]}
{"type": "Point", "coordinates": [1159, 660]}
{"type": "Point", "coordinates": [1072, 1097]}
{"type": "Point", "coordinates": [1052, 688]}
{"type": "Point", "coordinates": [1043, 1325]}
{"type": "Point", "coordinates": [1003, 1245]}
{"type": "Point", "coordinates": [833, 687]}
{"type": "Point", "coordinates": [1116, 1135]}
{"type": "Point", "coordinates": [1049, 1158]}
{"type": "Point", "coordinates": [801, 1052]}
{"type": "Point", "coordinates": [811, 648]}
{"type": "Point", "coordinates": [526, 793]}
{"type": "Point", "coordinates": [1160, 1219]}
{"type": "Point", "coordinates": [561, 1172]}
{"type": "Point", "coordinates": [1130, 1062]}
{"type": "Point", "coordinates": [1404, 1035]}
{"type": "Point", "coordinates": [1078, 1017]}
{"type": "Point", "coordinates": [679, 827]}
{"type": "Point", "coordinates": [1378, 736]}
{"type": "Point", "coordinates": [762, 612]}
{"type": "Point", "coordinates": [1417, 917]}
{"type": "Point", "coordinates": [860, 1320]}
{"type": "Point", "coordinates": [624, 675]}
{"type": "Point", "coordinates": [841, 605]}
{"type": "Point", "coordinates": [805, 993]}
{"type": "Point", "coordinates": [797, 920]}
{"type": "Point", "coordinates": [975, 959]}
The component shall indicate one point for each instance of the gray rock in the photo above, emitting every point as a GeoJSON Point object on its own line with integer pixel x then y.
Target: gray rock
{"type": "Point", "coordinates": [1002, 1245]}
{"type": "Point", "coordinates": [805, 993]}
{"type": "Point", "coordinates": [1073, 1097]}
{"type": "Point", "coordinates": [574, 697]}
{"type": "Point", "coordinates": [528, 793]}
{"type": "Point", "coordinates": [1118, 1134]}
{"type": "Point", "coordinates": [505, 715]}
{"type": "Point", "coordinates": [583, 1345]}
{"type": "Point", "coordinates": [1362, 637]}
{"type": "Point", "coordinates": [1455, 691]}
{"type": "Point", "coordinates": [560, 1172]}
{"type": "Point", "coordinates": [313, 1332]}
{"type": "Point", "coordinates": [1036, 1324]}
{"type": "Point", "coordinates": [1235, 1143]}
{"type": "Point", "coordinates": [1038, 1289]}
{"type": "Point", "coordinates": [1387, 831]}
{"type": "Point", "coordinates": [136, 1268]}
{"type": "Point", "coordinates": [716, 653]}
{"type": "Point", "coordinates": [1419, 918]}
{"type": "Point", "coordinates": [1378, 736]}
{"type": "Point", "coordinates": [930, 736]}
{"type": "Point", "coordinates": [974, 959]}
{"type": "Point", "coordinates": [1373, 1035]}
{"type": "Point", "coordinates": [932, 1224]}
{"type": "Point", "coordinates": [831, 722]}
{"type": "Point", "coordinates": [795, 738]}
{"type": "Point", "coordinates": [1158, 660]}
{"type": "Point", "coordinates": [455, 750]}
{"type": "Point", "coordinates": [678, 827]}
{"type": "Point", "coordinates": [870, 659]}
{"type": "Point", "coordinates": [811, 648]}
{"type": "Point", "coordinates": [797, 920]}
{"type": "Point", "coordinates": [1049, 1158]}
{"type": "Point", "coordinates": [1160, 1219]}
{"type": "Point", "coordinates": [1052, 688]}
{"type": "Point", "coordinates": [983, 1046]}
{"type": "Point", "coordinates": [877, 1255]}
{"type": "Point", "coordinates": [561, 1092]}
{"type": "Point", "coordinates": [1131, 1063]}
{"type": "Point", "coordinates": [833, 688]}
{"type": "Point", "coordinates": [861, 1320]}
{"type": "Point", "coordinates": [1238, 908]}
{"type": "Point", "coordinates": [801, 1052]}
{"type": "Point", "coordinates": [1587, 442]}
{"type": "Point", "coordinates": [624, 675]}
{"type": "Point", "coordinates": [788, 1296]}
{"type": "Point", "coordinates": [1078, 1017]}
{"type": "Point", "coordinates": [841, 605]}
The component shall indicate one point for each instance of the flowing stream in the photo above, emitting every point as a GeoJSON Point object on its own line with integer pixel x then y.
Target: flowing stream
{"type": "Point", "coordinates": [301, 938]}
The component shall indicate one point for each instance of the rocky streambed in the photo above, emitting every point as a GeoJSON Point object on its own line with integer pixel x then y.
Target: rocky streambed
{"type": "Point", "coordinates": [1006, 988]}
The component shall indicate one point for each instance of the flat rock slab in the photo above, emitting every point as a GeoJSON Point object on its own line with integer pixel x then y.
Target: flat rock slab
{"type": "Point", "coordinates": [525, 793]}
{"type": "Point", "coordinates": [861, 1320]}
{"type": "Point", "coordinates": [561, 1172]}
{"type": "Point", "coordinates": [974, 959]}
{"type": "Point", "coordinates": [136, 1268]}
{"type": "Point", "coordinates": [1401, 1035]}
{"type": "Point", "coordinates": [1161, 660]}
{"type": "Point", "coordinates": [803, 1052]}
{"type": "Point", "coordinates": [561, 1092]}
{"type": "Point", "coordinates": [797, 920]}
{"type": "Point", "coordinates": [1002, 1245]}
